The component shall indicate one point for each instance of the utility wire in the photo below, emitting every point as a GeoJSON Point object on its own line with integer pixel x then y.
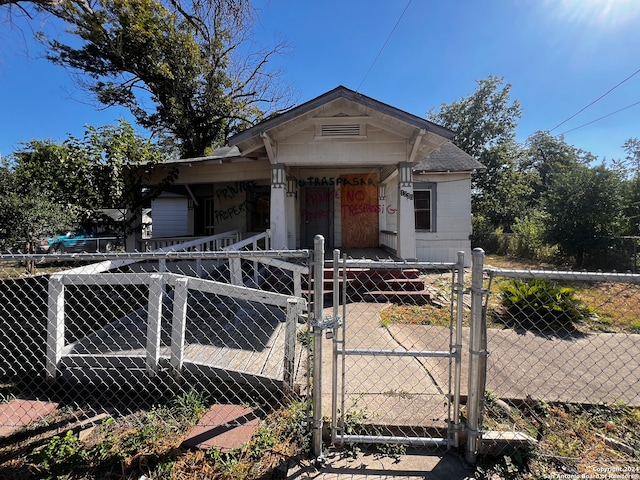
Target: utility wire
{"type": "Point", "coordinates": [596, 100]}
{"type": "Point", "coordinates": [383, 46]}
{"type": "Point", "coordinates": [598, 119]}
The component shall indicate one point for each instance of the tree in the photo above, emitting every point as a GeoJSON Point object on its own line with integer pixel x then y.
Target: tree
{"type": "Point", "coordinates": [482, 120]}
{"type": "Point", "coordinates": [503, 192]}
{"type": "Point", "coordinates": [632, 157]}
{"type": "Point", "coordinates": [47, 188]}
{"type": "Point", "coordinates": [38, 3]}
{"type": "Point", "coordinates": [181, 67]}
{"type": "Point", "coordinates": [546, 156]}
{"type": "Point", "coordinates": [484, 124]}
{"type": "Point", "coordinates": [120, 162]}
{"type": "Point", "coordinates": [31, 204]}
{"type": "Point", "coordinates": [630, 169]}
{"type": "Point", "coordinates": [583, 209]}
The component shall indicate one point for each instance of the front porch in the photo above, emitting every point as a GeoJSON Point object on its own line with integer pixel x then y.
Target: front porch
{"type": "Point", "coordinates": [358, 172]}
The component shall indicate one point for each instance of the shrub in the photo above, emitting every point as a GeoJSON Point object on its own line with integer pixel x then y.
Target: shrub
{"type": "Point", "coordinates": [487, 236]}
{"type": "Point", "coordinates": [542, 305]}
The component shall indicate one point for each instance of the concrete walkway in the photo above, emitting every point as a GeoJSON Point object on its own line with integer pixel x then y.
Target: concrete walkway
{"type": "Point", "coordinates": [580, 368]}
{"type": "Point", "coordinates": [583, 368]}
{"type": "Point", "coordinates": [415, 464]}
{"type": "Point", "coordinates": [393, 392]}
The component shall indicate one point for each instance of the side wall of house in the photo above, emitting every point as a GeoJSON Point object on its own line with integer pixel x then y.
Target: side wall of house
{"type": "Point", "coordinates": [453, 220]}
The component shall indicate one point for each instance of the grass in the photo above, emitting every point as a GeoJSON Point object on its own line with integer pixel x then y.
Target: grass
{"type": "Point", "coordinates": [415, 315]}
{"type": "Point", "coordinates": [572, 439]}
{"type": "Point", "coordinates": [616, 305]}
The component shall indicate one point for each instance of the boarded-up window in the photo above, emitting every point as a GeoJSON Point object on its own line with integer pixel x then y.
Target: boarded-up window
{"type": "Point", "coordinates": [359, 199]}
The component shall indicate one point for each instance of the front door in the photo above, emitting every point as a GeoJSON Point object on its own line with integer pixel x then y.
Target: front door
{"type": "Point", "coordinates": [317, 215]}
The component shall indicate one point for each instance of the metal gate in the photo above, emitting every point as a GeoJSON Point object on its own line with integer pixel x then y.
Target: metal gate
{"type": "Point", "coordinates": [394, 331]}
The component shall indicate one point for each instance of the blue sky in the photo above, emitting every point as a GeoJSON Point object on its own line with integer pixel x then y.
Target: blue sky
{"type": "Point", "coordinates": [559, 56]}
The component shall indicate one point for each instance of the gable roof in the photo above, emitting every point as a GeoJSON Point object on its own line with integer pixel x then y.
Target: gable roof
{"type": "Point", "coordinates": [448, 158]}
{"type": "Point", "coordinates": [335, 94]}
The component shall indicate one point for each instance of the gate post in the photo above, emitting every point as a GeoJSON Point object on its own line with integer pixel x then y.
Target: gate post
{"type": "Point", "coordinates": [476, 352]}
{"type": "Point", "coordinates": [457, 376]}
{"type": "Point", "coordinates": [318, 306]}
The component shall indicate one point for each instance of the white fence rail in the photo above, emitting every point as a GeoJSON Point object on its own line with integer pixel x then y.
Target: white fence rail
{"type": "Point", "coordinates": [157, 282]}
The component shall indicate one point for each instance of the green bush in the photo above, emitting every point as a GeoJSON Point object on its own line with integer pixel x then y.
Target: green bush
{"type": "Point", "coordinates": [527, 239]}
{"type": "Point", "coordinates": [538, 304]}
{"type": "Point", "coordinates": [487, 236]}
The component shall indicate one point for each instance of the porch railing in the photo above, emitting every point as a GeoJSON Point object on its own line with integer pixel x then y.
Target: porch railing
{"type": "Point", "coordinates": [182, 285]}
{"type": "Point", "coordinates": [389, 240]}
{"type": "Point", "coordinates": [211, 242]}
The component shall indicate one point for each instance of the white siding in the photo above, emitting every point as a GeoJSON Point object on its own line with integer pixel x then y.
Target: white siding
{"type": "Point", "coordinates": [391, 205]}
{"type": "Point", "coordinates": [453, 220]}
{"type": "Point", "coordinates": [379, 148]}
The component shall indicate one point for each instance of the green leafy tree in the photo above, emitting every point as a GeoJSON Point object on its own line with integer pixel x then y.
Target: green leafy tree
{"type": "Point", "coordinates": [583, 211]}
{"type": "Point", "coordinates": [34, 200]}
{"type": "Point", "coordinates": [48, 188]}
{"type": "Point", "coordinates": [183, 68]}
{"type": "Point", "coordinates": [483, 120]}
{"type": "Point", "coordinates": [630, 169]}
{"type": "Point", "coordinates": [632, 157]}
{"type": "Point", "coordinates": [546, 156]}
{"type": "Point", "coordinates": [120, 163]}
{"type": "Point", "coordinates": [503, 193]}
{"type": "Point", "coordinates": [484, 124]}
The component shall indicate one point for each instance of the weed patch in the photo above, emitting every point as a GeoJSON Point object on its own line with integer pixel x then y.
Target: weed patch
{"type": "Point", "coordinates": [572, 439]}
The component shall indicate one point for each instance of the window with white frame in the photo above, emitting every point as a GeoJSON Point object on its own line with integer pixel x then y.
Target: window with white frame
{"type": "Point", "coordinates": [423, 206]}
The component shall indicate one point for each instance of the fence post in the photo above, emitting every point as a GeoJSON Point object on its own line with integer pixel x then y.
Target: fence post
{"type": "Point", "coordinates": [318, 279]}
{"type": "Point", "coordinates": [293, 310]}
{"type": "Point", "coordinates": [476, 352]}
{"type": "Point", "coordinates": [55, 325]}
{"type": "Point", "coordinates": [154, 323]}
{"type": "Point", "coordinates": [334, 333]}
{"type": "Point", "coordinates": [235, 267]}
{"type": "Point", "coordinates": [458, 348]}
{"type": "Point", "coordinates": [178, 324]}
{"type": "Point", "coordinates": [199, 266]}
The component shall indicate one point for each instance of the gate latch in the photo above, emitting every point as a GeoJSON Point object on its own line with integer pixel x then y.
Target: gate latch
{"type": "Point", "coordinates": [327, 323]}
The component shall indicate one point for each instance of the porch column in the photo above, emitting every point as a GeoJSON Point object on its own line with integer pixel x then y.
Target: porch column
{"type": "Point", "coordinates": [292, 221]}
{"type": "Point", "coordinates": [133, 240]}
{"type": "Point", "coordinates": [406, 216]}
{"type": "Point", "coordinates": [278, 213]}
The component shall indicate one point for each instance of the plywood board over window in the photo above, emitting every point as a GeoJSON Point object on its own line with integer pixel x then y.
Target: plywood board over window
{"type": "Point", "coordinates": [359, 198]}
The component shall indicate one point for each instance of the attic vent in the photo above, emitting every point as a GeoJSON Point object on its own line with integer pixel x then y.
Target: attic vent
{"type": "Point", "coordinates": [340, 130]}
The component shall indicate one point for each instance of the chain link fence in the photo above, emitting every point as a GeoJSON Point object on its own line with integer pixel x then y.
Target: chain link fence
{"type": "Point", "coordinates": [554, 346]}
{"type": "Point", "coordinates": [123, 335]}
{"type": "Point", "coordinates": [392, 351]}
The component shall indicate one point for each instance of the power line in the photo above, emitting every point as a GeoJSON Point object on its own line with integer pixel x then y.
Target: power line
{"type": "Point", "coordinates": [598, 119]}
{"type": "Point", "coordinates": [596, 100]}
{"type": "Point", "coordinates": [383, 46]}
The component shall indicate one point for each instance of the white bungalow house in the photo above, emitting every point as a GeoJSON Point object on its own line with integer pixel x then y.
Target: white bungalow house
{"type": "Point", "coordinates": [358, 171]}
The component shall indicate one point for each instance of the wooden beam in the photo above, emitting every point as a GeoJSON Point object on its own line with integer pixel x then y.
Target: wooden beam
{"type": "Point", "coordinates": [416, 145]}
{"type": "Point", "coordinates": [268, 144]}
